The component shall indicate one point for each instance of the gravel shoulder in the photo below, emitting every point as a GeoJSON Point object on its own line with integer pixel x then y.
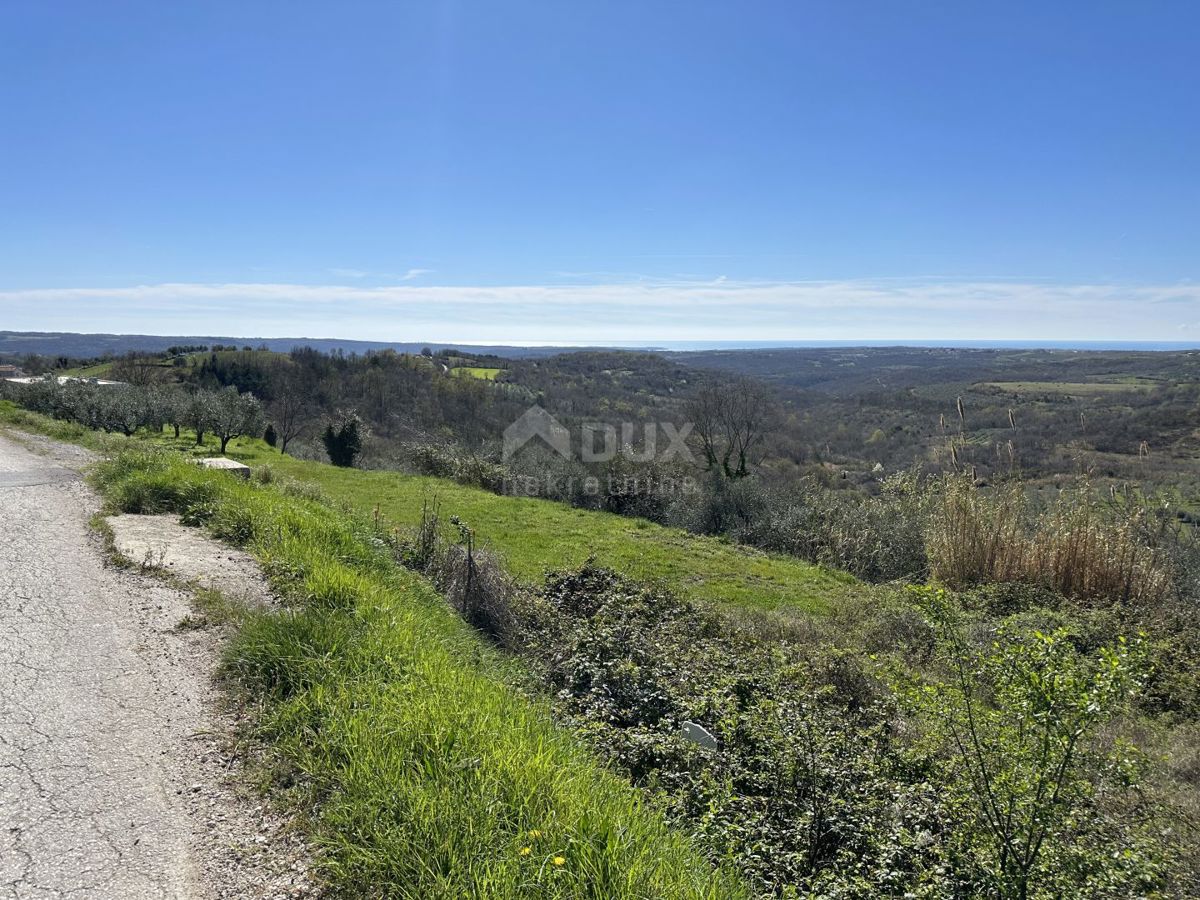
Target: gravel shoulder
{"type": "Point", "coordinates": [121, 777]}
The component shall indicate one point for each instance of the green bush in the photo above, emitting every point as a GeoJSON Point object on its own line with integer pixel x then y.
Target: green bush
{"type": "Point", "coordinates": [1016, 726]}
{"type": "Point", "coordinates": [806, 792]}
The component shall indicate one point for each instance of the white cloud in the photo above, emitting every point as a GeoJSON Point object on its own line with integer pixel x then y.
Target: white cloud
{"type": "Point", "coordinates": [877, 309]}
{"type": "Point", "coordinates": [362, 273]}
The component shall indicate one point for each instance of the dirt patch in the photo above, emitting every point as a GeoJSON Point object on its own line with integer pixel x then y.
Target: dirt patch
{"type": "Point", "coordinates": [123, 775]}
{"type": "Point", "coordinates": [68, 456]}
{"type": "Point", "coordinates": [162, 543]}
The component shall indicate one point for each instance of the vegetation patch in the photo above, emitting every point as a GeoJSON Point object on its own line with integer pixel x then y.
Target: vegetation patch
{"type": "Point", "coordinates": [1070, 388]}
{"type": "Point", "coordinates": [534, 536]}
{"type": "Point", "coordinates": [484, 373]}
{"type": "Point", "coordinates": [431, 774]}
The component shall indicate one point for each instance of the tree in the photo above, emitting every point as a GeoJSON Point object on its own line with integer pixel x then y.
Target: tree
{"type": "Point", "coordinates": [33, 364]}
{"type": "Point", "coordinates": [730, 418]}
{"type": "Point", "coordinates": [343, 439]}
{"type": "Point", "coordinates": [137, 369]}
{"type": "Point", "coordinates": [234, 414]}
{"type": "Point", "coordinates": [122, 409]}
{"type": "Point", "coordinates": [199, 414]}
{"type": "Point", "coordinates": [166, 406]}
{"type": "Point", "coordinates": [292, 409]}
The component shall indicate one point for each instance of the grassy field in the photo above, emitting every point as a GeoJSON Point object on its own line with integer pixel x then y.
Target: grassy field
{"type": "Point", "coordinates": [1071, 388]}
{"type": "Point", "coordinates": [481, 372]}
{"type": "Point", "coordinates": [533, 536]}
{"type": "Point", "coordinates": [97, 371]}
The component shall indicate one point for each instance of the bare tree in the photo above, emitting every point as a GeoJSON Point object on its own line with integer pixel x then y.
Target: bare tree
{"type": "Point", "coordinates": [292, 409]}
{"type": "Point", "coordinates": [730, 419]}
{"type": "Point", "coordinates": [704, 410]}
{"type": "Point", "coordinates": [135, 368]}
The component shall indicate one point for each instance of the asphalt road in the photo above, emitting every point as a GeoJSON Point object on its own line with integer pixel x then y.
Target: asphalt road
{"type": "Point", "coordinates": [98, 704]}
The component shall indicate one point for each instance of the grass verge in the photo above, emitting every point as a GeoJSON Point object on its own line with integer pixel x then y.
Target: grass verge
{"type": "Point", "coordinates": [430, 775]}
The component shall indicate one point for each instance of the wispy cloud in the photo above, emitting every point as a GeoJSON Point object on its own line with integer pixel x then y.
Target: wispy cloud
{"type": "Point", "coordinates": [362, 273]}
{"type": "Point", "coordinates": [721, 309]}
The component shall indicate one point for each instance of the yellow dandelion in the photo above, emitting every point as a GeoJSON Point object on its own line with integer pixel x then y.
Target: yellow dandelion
{"type": "Point", "coordinates": [525, 851]}
{"type": "Point", "coordinates": [535, 834]}
{"type": "Point", "coordinates": [559, 861]}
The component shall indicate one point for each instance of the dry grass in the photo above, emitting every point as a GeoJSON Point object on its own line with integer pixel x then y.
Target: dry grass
{"type": "Point", "coordinates": [1077, 546]}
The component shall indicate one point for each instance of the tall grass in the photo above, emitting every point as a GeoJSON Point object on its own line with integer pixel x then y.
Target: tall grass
{"type": "Point", "coordinates": [1076, 546]}
{"type": "Point", "coordinates": [973, 537]}
{"type": "Point", "coordinates": [431, 776]}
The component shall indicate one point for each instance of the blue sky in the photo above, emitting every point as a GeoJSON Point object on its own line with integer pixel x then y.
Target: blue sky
{"type": "Point", "coordinates": [598, 171]}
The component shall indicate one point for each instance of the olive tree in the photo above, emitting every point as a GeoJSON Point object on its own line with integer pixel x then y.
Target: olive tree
{"type": "Point", "coordinates": [199, 414]}
{"type": "Point", "coordinates": [121, 409]}
{"type": "Point", "coordinates": [233, 415]}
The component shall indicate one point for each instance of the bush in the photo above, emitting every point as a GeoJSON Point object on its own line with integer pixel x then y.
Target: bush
{"type": "Point", "coordinates": [445, 461]}
{"type": "Point", "coordinates": [874, 538]}
{"type": "Point", "coordinates": [805, 791]}
{"type": "Point", "coordinates": [1016, 722]}
{"type": "Point", "coordinates": [343, 440]}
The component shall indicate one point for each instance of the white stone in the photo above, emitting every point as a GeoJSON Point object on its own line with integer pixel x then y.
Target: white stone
{"type": "Point", "coordinates": [241, 470]}
{"type": "Point", "coordinates": [698, 734]}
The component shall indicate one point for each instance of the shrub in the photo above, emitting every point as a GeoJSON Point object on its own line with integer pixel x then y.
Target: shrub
{"type": "Point", "coordinates": [343, 440]}
{"type": "Point", "coordinates": [443, 461]}
{"type": "Point", "coordinates": [1016, 721]}
{"type": "Point", "coordinates": [874, 538]}
{"type": "Point", "coordinates": [804, 792]}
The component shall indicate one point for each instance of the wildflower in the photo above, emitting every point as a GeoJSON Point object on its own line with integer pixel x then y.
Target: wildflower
{"type": "Point", "coordinates": [535, 834]}
{"type": "Point", "coordinates": [558, 861]}
{"type": "Point", "coordinates": [525, 851]}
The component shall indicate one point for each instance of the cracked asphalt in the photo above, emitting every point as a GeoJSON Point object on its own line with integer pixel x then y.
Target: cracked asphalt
{"type": "Point", "coordinates": [109, 776]}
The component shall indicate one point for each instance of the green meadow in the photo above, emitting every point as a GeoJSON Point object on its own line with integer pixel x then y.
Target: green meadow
{"type": "Point", "coordinates": [483, 373]}
{"type": "Point", "coordinates": [533, 536]}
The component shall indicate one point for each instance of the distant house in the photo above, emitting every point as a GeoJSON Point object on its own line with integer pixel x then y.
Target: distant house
{"type": "Point", "coordinates": [10, 372]}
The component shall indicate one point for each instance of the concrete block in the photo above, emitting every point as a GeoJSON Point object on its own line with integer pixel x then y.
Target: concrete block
{"type": "Point", "coordinates": [241, 470]}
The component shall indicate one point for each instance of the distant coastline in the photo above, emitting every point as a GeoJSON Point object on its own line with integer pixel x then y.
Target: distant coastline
{"type": "Point", "coordinates": [952, 344]}
{"type": "Point", "coordinates": [85, 345]}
